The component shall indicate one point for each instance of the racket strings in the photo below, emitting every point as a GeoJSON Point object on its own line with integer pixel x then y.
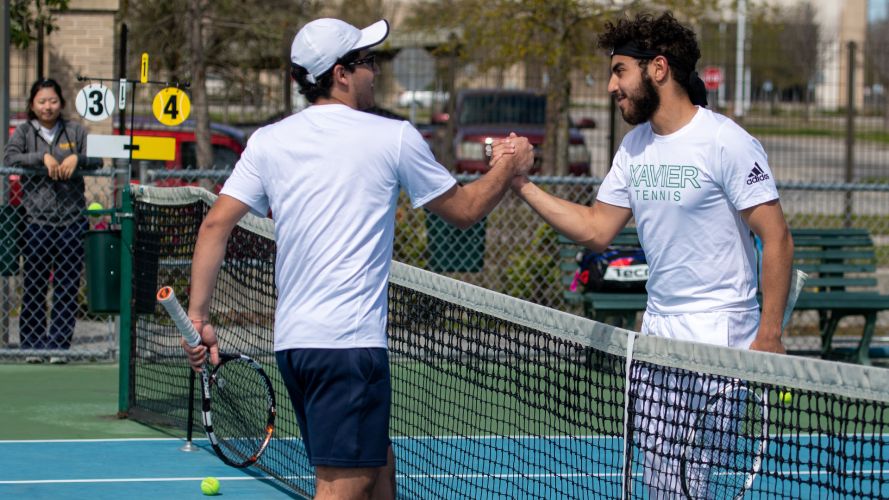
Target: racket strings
{"type": "Point", "coordinates": [727, 441]}
{"type": "Point", "coordinates": [240, 406]}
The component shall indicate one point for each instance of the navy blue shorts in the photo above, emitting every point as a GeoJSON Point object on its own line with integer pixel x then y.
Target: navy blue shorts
{"type": "Point", "coordinates": [342, 399]}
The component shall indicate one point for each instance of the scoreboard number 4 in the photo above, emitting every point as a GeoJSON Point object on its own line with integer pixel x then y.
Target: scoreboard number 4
{"type": "Point", "coordinates": [171, 106]}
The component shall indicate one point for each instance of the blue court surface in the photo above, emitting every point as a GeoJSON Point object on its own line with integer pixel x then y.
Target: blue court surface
{"type": "Point", "coordinates": [121, 469]}
{"type": "Point", "coordinates": [157, 468]}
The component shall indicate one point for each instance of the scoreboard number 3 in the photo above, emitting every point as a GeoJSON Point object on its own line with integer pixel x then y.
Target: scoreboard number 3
{"type": "Point", "coordinates": [95, 102]}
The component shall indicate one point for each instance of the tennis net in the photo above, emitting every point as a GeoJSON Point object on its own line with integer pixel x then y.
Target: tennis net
{"type": "Point", "coordinates": [494, 397]}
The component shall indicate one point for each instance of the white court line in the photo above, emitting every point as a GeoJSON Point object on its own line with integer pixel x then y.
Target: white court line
{"type": "Point", "coordinates": [135, 480]}
{"type": "Point", "coordinates": [109, 440]}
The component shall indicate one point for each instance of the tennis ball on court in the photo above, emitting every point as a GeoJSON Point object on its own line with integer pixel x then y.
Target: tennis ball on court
{"type": "Point", "coordinates": [210, 486]}
{"type": "Point", "coordinates": [95, 206]}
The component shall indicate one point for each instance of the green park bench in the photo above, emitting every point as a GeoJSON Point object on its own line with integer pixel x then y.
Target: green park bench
{"type": "Point", "coordinates": [841, 264]}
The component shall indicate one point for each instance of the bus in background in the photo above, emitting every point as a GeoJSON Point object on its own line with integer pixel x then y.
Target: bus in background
{"type": "Point", "coordinates": [228, 143]}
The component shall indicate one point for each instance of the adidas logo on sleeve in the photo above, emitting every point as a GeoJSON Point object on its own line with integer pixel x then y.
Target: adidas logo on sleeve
{"type": "Point", "coordinates": [756, 174]}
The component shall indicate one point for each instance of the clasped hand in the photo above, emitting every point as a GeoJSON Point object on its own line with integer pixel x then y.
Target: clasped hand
{"type": "Point", "coordinates": [514, 149]}
{"type": "Point", "coordinates": [60, 171]}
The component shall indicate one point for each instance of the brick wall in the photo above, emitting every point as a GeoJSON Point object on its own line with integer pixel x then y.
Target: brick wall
{"type": "Point", "coordinates": [84, 44]}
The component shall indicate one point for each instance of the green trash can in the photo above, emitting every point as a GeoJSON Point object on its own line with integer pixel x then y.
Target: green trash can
{"type": "Point", "coordinates": [10, 235]}
{"type": "Point", "coordinates": [454, 250]}
{"type": "Point", "coordinates": [103, 271]}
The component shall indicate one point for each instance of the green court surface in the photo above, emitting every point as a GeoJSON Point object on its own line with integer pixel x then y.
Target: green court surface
{"type": "Point", "coordinates": [75, 401]}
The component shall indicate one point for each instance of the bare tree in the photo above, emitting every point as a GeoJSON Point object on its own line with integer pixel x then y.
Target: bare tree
{"type": "Point", "coordinates": [204, 149]}
{"type": "Point", "coordinates": [189, 39]}
{"type": "Point", "coordinates": [799, 40]}
{"type": "Point", "coordinates": [557, 35]}
{"type": "Point", "coordinates": [494, 34]}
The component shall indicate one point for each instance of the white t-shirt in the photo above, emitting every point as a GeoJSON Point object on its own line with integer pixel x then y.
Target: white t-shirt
{"type": "Point", "coordinates": [331, 177]}
{"type": "Point", "coordinates": [686, 190]}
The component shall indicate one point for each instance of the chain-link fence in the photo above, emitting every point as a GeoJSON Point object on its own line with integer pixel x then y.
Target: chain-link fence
{"type": "Point", "coordinates": [819, 107]}
{"type": "Point", "coordinates": [515, 252]}
{"type": "Point", "coordinates": [59, 267]}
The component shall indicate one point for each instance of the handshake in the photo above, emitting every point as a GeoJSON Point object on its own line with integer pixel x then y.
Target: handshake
{"type": "Point", "coordinates": [513, 152]}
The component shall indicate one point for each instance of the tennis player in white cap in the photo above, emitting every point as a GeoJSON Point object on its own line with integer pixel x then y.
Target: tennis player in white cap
{"type": "Point", "coordinates": [331, 175]}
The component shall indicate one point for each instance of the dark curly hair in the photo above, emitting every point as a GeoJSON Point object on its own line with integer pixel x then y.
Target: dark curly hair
{"type": "Point", "coordinates": [663, 34]}
{"type": "Point", "coordinates": [323, 84]}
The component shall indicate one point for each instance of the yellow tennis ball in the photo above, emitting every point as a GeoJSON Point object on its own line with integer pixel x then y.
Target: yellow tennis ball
{"type": "Point", "coordinates": [210, 486]}
{"type": "Point", "coordinates": [786, 397]}
{"type": "Point", "coordinates": [95, 206]}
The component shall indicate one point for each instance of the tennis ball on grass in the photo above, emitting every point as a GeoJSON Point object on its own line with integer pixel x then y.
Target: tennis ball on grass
{"type": "Point", "coordinates": [210, 486]}
{"type": "Point", "coordinates": [95, 206]}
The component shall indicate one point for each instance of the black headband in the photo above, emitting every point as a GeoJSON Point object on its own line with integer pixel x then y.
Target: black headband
{"type": "Point", "coordinates": [630, 49]}
{"type": "Point", "coordinates": [697, 91]}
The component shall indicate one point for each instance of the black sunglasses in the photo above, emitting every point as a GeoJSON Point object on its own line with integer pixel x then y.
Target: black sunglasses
{"type": "Point", "coordinates": [369, 60]}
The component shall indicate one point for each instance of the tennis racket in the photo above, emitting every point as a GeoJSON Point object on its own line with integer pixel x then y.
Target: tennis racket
{"type": "Point", "coordinates": [237, 398]}
{"type": "Point", "coordinates": [725, 443]}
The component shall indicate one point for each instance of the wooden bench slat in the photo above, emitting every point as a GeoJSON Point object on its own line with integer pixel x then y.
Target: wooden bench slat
{"type": "Point", "coordinates": [845, 255]}
{"type": "Point", "coordinates": [835, 242]}
{"type": "Point", "coordinates": [837, 268]}
{"type": "Point", "coordinates": [818, 281]}
{"type": "Point", "coordinates": [839, 231]}
{"type": "Point", "coordinates": [842, 300]}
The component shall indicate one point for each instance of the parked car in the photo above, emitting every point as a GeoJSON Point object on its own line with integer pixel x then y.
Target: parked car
{"type": "Point", "coordinates": [228, 143]}
{"type": "Point", "coordinates": [424, 98]}
{"type": "Point", "coordinates": [482, 114]}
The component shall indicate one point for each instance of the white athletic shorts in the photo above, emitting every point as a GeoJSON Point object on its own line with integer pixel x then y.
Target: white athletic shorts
{"type": "Point", "coordinates": [725, 328]}
{"type": "Point", "coordinates": [666, 403]}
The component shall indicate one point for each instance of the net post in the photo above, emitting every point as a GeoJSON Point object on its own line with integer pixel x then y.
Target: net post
{"type": "Point", "coordinates": [126, 293]}
{"type": "Point", "coordinates": [625, 454]}
{"type": "Point", "coordinates": [189, 446]}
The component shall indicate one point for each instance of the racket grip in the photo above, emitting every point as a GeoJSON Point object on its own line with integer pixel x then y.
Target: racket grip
{"type": "Point", "coordinates": [167, 298]}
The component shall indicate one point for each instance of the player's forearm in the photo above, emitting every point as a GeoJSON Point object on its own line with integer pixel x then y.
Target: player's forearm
{"type": "Point", "coordinates": [209, 251]}
{"type": "Point", "coordinates": [568, 218]}
{"type": "Point", "coordinates": [484, 194]}
{"type": "Point", "coordinates": [777, 261]}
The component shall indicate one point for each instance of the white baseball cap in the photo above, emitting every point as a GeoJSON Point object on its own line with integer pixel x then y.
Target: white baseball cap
{"type": "Point", "coordinates": [319, 44]}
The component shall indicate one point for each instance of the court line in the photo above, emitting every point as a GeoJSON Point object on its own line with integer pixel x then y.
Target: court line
{"type": "Point", "coordinates": [136, 480]}
{"type": "Point", "coordinates": [98, 440]}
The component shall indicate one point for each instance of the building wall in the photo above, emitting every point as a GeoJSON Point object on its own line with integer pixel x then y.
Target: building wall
{"type": "Point", "coordinates": [841, 22]}
{"type": "Point", "coordinates": [84, 44]}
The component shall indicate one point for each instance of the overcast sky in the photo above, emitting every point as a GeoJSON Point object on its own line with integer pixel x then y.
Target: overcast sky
{"type": "Point", "coordinates": [876, 9]}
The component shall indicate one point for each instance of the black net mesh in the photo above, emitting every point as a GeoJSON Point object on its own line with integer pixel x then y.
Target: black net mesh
{"type": "Point", "coordinates": [487, 404]}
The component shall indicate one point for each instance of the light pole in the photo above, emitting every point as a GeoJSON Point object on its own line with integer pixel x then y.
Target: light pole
{"type": "Point", "coordinates": [739, 58]}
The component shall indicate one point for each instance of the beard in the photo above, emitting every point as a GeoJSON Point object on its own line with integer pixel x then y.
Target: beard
{"type": "Point", "coordinates": [643, 102]}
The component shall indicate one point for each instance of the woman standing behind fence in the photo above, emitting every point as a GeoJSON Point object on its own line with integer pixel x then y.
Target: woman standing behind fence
{"type": "Point", "coordinates": [53, 198]}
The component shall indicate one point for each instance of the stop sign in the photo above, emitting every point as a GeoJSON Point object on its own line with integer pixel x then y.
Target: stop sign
{"type": "Point", "coordinates": [712, 77]}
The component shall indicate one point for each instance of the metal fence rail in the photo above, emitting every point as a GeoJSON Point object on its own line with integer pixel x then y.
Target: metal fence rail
{"type": "Point", "coordinates": [512, 251]}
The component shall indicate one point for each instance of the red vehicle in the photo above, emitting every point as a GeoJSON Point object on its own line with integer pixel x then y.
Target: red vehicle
{"type": "Point", "coordinates": [228, 143]}
{"type": "Point", "coordinates": [491, 113]}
